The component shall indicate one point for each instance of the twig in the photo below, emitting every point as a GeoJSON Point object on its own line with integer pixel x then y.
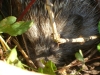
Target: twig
{"type": "Point", "coordinates": [56, 36]}
{"type": "Point", "coordinates": [25, 44]}
{"type": "Point", "coordinates": [4, 44]}
{"type": "Point", "coordinates": [92, 53]}
{"type": "Point", "coordinates": [81, 39]}
{"type": "Point", "coordinates": [8, 39]}
{"type": "Point", "coordinates": [24, 54]}
{"type": "Point", "coordinates": [26, 10]}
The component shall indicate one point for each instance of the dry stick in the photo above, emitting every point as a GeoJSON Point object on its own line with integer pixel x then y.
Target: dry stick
{"type": "Point", "coordinates": [81, 39]}
{"type": "Point", "coordinates": [24, 54]}
{"type": "Point", "coordinates": [8, 39]}
{"type": "Point", "coordinates": [92, 53]}
{"type": "Point", "coordinates": [51, 15]}
{"type": "Point", "coordinates": [25, 44]}
{"type": "Point", "coordinates": [4, 44]}
{"type": "Point", "coordinates": [94, 59]}
{"type": "Point", "coordinates": [56, 36]}
{"type": "Point", "coordinates": [26, 10]}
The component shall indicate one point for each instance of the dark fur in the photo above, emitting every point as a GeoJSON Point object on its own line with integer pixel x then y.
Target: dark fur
{"type": "Point", "coordinates": [74, 18]}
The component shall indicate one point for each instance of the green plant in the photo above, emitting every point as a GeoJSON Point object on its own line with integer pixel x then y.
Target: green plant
{"type": "Point", "coordinates": [98, 46]}
{"type": "Point", "coordinates": [49, 68]}
{"type": "Point", "coordinates": [79, 56]}
{"type": "Point", "coordinates": [13, 28]}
